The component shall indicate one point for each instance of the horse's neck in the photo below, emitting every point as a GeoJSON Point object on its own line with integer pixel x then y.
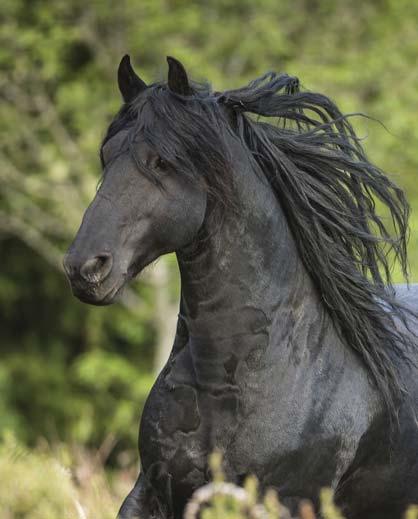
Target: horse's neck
{"type": "Point", "coordinates": [250, 315]}
{"type": "Point", "coordinates": [248, 275]}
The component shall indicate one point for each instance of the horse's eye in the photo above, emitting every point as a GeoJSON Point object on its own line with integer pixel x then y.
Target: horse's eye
{"type": "Point", "coordinates": [161, 164]}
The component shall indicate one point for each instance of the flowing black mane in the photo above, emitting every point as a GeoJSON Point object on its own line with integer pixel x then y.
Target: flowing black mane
{"type": "Point", "coordinates": [327, 187]}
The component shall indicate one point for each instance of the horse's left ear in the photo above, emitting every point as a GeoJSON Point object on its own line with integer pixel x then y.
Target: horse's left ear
{"type": "Point", "coordinates": [177, 78]}
{"type": "Point", "coordinates": [129, 83]}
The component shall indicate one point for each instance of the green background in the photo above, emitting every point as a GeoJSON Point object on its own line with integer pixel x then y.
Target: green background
{"type": "Point", "coordinates": [80, 374]}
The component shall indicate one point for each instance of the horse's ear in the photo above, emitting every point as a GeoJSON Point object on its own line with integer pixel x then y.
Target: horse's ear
{"type": "Point", "coordinates": [177, 78]}
{"type": "Point", "coordinates": [129, 83]}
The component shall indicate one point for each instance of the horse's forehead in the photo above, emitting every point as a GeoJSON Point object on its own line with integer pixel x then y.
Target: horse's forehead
{"type": "Point", "coordinates": [114, 144]}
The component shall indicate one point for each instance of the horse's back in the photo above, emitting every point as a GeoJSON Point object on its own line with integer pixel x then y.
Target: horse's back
{"type": "Point", "coordinates": [408, 294]}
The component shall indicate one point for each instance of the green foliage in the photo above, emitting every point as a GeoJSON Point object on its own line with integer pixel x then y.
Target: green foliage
{"type": "Point", "coordinates": [73, 383]}
{"type": "Point", "coordinates": [56, 484]}
{"type": "Point", "coordinates": [117, 389]}
{"type": "Point", "coordinates": [78, 373]}
{"type": "Point", "coordinates": [24, 494]}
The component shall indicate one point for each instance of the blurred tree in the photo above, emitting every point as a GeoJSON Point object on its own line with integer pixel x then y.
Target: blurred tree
{"type": "Point", "coordinates": [76, 372]}
{"type": "Point", "coordinates": [49, 170]}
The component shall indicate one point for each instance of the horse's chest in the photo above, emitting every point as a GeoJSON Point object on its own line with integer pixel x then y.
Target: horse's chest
{"type": "Point", "coordinates": [197, 405]}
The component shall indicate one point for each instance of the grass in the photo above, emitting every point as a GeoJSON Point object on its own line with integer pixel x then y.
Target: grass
{"type": "Point", "coordinates": [71, 483]}
{"type": "Point", "coordinates": [58, 483]}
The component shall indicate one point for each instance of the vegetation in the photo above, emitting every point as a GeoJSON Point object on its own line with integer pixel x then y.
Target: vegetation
{"type": "Point", "coordinates": [77, 374]}
{"type": "Point", "coordinates": [74, 485]}
{"type": "Point", "coordinates": [58, 483]}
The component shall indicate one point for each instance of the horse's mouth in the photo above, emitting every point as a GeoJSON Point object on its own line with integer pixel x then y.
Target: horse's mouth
{"type": "Point", "coordinates": [93, 296]}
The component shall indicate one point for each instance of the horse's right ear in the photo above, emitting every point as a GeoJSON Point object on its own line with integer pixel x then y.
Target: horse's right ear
{"type": "Point", "coordinates": [130, 85]}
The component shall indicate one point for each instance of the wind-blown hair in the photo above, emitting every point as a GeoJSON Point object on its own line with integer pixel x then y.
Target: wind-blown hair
{"type": "Point", "coordinates": [326, 185]}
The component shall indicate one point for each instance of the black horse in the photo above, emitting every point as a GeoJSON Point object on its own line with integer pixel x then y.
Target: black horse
{"type": "Point", "coordinates": [294, 354]}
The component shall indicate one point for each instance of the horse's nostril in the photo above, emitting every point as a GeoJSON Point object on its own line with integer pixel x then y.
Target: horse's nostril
{"type": "Point", "coordinates": [97, 269]}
